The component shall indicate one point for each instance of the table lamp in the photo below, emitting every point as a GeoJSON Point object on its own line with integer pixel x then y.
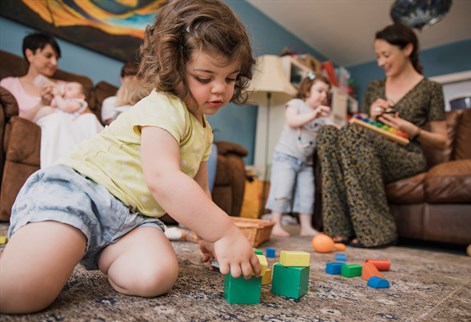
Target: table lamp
{"type": "Point", "coordinates": [269, 82]}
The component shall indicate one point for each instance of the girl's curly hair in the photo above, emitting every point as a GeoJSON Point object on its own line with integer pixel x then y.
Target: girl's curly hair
{"type": "Point", "coordinates": [183, 26]}
{"type": "Point", "coordinates": [306, 84]}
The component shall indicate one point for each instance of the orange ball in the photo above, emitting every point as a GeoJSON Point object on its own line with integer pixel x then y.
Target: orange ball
{"type": "Point", "coordinates": [323, 243]}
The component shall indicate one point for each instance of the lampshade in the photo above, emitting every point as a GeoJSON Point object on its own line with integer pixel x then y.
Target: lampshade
{"type": "Point", "coordinates": [269, 77]}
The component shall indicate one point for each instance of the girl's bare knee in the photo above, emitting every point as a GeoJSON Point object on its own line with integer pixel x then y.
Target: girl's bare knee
{"type": "Point", "coordinates": [148, 282]}
{"type": "Point", "coordinates": [20, 297]}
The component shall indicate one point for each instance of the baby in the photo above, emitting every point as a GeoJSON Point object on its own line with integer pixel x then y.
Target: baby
{"type": "Point", "coordinates": [69, 97]}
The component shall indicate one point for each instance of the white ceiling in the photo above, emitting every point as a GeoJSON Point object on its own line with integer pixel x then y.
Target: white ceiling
{"type": "Point", "coordinates": [343, 30]}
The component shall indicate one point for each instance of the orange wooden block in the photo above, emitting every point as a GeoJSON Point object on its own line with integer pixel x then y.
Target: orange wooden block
{"type": "Point", "coordinates": [368, 269]}
{"type": "Point", "coordinates": [381, 264]}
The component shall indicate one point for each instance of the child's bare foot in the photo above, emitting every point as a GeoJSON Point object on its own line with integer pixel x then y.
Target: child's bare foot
{"type": "Point", "coordinates": [308, 232]}
{"type": "Point", "coordinates": [341, 240]}
{"type": "Point", "coordinates": [278, 231]}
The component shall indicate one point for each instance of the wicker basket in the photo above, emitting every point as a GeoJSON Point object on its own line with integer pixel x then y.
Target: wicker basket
{"type": "Point", "coordinates": [256, 230]}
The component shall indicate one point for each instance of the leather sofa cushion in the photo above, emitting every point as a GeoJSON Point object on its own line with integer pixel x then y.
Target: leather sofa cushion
{"type": "Point", "coordinates": [463, 137]}
{"type": "Point", "coordinates": [449, 182]}
{"type": "Point", "coordinates": [103, 90]}
{"type": "Point", "coordinates": [437, 156]}
{"type": "Point", "coordinates": [407, 191]}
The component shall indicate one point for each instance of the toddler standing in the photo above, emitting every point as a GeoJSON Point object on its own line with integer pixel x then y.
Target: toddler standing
{"type": "Point", "coordinates": [292, 174]}
{"type": "Point", "coordinates": [101, 205]}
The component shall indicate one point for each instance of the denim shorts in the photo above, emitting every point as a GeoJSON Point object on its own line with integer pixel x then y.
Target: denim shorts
{"type": "Point", "coordinates": [291, 185]}
{"type": "Point", "coordinates": [60, 194]}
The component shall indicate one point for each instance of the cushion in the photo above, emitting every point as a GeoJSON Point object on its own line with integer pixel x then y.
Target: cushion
{"type": "Point", "coordinates": [463, 137]}
{"type": "Point", "coordinates": [435, 156]}
{"type": "Point", "coordinates": [449, 182]}
{"type": "Point", "coordinates": [406, 191]}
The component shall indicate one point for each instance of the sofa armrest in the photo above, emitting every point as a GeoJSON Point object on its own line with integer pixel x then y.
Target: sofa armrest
{"type": "Point", "coordinates": [225, 148]}
{"type": "Point", "coordinates": [8, 104]}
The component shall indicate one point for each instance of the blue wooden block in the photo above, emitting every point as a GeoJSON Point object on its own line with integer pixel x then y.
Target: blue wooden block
{"type": "Point", "coordinates": [378, 282]}
{"type": "Point", "coordinates": [270, 252]}
{"type": "Point", "coordinates": [341, 257]}
{"type": "Point", "coordinates": [333, 267]}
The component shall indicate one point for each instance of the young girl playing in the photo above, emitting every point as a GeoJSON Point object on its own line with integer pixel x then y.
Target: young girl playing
{"type": "Point", "coordinates": [292, 174]}
{"type": "Point", "coordinates": [101, 205]}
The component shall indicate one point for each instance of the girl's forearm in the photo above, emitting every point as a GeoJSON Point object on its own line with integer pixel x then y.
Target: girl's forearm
{"type": "Point", "coordinates": [190, 205]}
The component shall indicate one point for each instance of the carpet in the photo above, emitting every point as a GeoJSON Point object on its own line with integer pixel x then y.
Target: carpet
{"type": "Point", "coordinates": [427, 284]}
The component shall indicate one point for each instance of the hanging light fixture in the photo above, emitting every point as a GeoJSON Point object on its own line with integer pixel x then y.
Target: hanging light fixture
{"type": "Point", "coordinates": [419, 14]}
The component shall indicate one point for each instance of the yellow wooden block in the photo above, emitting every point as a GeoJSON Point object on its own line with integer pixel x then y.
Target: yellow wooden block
{"type": "Point", "coordinates": [266, 278]}
{"type": "Point", "coordinates": [263, 264]}
{"type": "Point", "coordinates": [3, 240]}
{"type": "Point", "coordinates": [295, 258]}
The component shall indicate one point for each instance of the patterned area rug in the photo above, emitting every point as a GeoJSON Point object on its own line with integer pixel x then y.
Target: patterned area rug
{"type": "Point", "coordinates": [426, 285]}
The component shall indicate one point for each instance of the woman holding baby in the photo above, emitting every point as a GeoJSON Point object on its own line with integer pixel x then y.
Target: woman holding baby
{"type": "Point", "coordinates": [34, 93]}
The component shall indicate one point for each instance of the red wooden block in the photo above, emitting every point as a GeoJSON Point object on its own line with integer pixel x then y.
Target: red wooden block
{"type": "Point", "coordinates": [381, 264]}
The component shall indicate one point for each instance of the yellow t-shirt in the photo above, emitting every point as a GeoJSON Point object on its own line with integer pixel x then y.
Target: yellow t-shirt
{"type": "Point", "coordinates": [112, 158]}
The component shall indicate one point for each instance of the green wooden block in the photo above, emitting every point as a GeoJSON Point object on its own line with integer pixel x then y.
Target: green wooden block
{"type": "Point", "coordinates": [242, 291]}
{"type": "Point", "coordinates": [351, 270]}
{"type": "Point", "coordinates": [290, 281]}
{"type": "Point", "coordinates": [258, 251]}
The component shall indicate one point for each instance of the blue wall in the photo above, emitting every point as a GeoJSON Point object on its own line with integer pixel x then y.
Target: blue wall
{"type": "Point", "coordinates": [452, 58]}
{"type": "Point", "coordinates": [238, 123]}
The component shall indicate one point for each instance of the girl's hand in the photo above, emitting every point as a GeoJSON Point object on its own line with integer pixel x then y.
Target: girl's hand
{"type": "Point", "coordinates": [378, 107]}
{"type": "Point", "coordinates": [395, 121]}
{"type": "Point", "coordinates": [321, 111]}
{"type": "Point", "coordinates": [235, 255]}
{"type": "Point", "coordinates": [207, 250]}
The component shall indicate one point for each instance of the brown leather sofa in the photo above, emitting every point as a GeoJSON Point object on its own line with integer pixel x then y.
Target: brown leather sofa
{"type": "Point", "coordinates": [433, 205]}
{"type": "Point", "coordinates": [20, 139]}
{"type": "Point", "coordinates": [436, 205]}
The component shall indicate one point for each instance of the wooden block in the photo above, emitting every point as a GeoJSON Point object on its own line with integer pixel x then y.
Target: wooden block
{"type": "Point", "coordinates": [263, 264]}
{"type": "Point", "coordinates": [258, 251]}
{"type": "Point", "coordinates": [270, 252]}
{"type": "Point", "coordinates": [295, 258]}
{"type": "Point", "coordinates": [290, 281]}
{"type": "Point", "coordinates": [389, 135]}
{"type": "Point", "coordinates": [368, 270]}
{"type": "Point", "coordinates": [341, 257]}
{"type": "Point", "coordinates": [3, 240]}
{"type": "Point", "coordinates": [242, 291]}
{"type": "Point", "coordinates": [378, 282]}
{"type": "Point", "coordinates": [351, 270]}
{"type": "Point", "coordinates": [381, 264]}
{"type": "Point", "coordinates": [333, 267]}
{"type": "Point", "coordinates": [266, 278]}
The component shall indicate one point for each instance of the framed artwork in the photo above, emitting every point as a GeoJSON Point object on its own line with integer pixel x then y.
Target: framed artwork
{"type": "Point", "coordinates": [110, 27]}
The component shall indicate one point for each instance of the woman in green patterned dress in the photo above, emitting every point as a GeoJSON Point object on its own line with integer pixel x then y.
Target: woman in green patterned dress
{"type": "Point", "coordinates": [357, 162]}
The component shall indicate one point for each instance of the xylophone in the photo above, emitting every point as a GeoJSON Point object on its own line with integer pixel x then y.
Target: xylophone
{"type": "Point", "coordinates": [383, 129]}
